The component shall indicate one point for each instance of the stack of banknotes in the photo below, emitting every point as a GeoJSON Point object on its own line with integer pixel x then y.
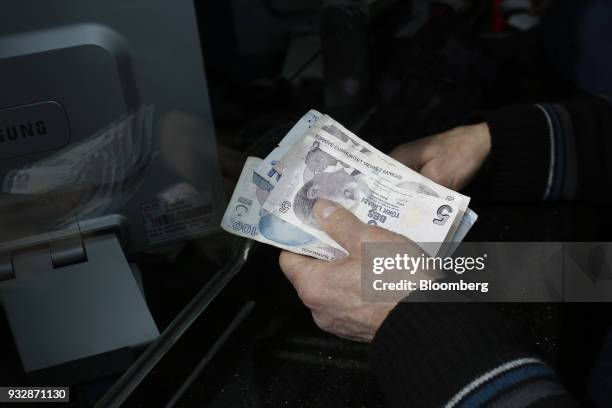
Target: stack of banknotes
{"type": "Point", "coordinates": [319, 158]}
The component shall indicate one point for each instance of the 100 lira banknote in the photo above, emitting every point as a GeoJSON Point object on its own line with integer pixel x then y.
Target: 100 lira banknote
{"type": "Point", "coordinates": [246, 217]}
{"type": "Point", "coordinates": [266, 176]}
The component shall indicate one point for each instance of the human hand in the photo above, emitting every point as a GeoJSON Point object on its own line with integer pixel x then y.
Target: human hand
{"type": "Point", "coordinates": [332, 290]}
{"type": "Point", "coordinates": [451, 158]}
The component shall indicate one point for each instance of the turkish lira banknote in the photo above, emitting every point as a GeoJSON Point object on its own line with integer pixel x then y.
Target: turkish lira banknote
{"type": "Point", "coordinates": [266, 176]}
{"type": "Point", "coordinates": [320, 158]}
{"type": "Point", "coordinates": [322, 166]}
{"type": "Point", "coordinates": [394, 171]}
{"type": "Point", "coordinates": [245, 217]}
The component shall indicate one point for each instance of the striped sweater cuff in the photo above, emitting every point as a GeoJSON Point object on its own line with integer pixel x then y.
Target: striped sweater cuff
{"type": "Point", "coordinates": [561, 182]}
{"type": "Point", "coordinates": [532, 154]}
{"type": "Point", "coordinates": [458, 355]}
{"type": "Point", "coordinates": [520, 382]}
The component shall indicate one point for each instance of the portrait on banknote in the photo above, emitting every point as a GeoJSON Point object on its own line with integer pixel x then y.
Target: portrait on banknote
{"type": "Point", "coordinates": [326, 177]}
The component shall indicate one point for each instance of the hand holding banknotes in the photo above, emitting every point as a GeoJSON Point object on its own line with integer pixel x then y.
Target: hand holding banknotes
{"type": "Point", "coordinates": [451, 158]}
{"type": "Point", "coordinates": [332, 290]}
{"type": "Point", "coordinates": [321, 159]}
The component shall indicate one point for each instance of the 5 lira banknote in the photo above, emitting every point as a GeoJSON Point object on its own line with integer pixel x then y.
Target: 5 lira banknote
{"type": "Point", "coordinates": [319, 158]}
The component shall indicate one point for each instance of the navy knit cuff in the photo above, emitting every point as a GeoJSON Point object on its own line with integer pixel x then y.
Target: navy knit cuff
{"type": "Point", "coordinates": [519, 165]}
{"type": "Point", "coordinates": [457, 355]}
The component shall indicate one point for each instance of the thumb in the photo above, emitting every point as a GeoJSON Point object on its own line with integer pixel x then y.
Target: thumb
{"type": "Point", "coordinates": [340, 224]}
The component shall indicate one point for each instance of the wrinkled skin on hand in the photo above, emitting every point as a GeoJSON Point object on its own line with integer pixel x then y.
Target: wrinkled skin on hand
{"type": "Point", "coordinates": [451, 158]}
{"type": "Point", "coordinates": [332, 290]}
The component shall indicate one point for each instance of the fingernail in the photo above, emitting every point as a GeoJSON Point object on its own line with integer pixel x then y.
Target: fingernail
{"type": "Point", "coordinates": [325, 208]}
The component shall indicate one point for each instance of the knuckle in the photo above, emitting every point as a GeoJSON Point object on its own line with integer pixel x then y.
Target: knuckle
{"type": "Point", "coordinates": [309, 295]}
{"type": "Point", "coordinates": [399, 150]}
{"type": "Point", "coordinates": [435, 173]}
{"type": "Point", "coordinates": [378, 234]}
{"type": "Point", "coordinates": [335, 225]}
{"type": "Point", "coordinates": [322, 321]}
{"type": "Point", "coordinates": [282, 261]}
{"type": "Point", "coordinates": [341, 224]}
{"type": "Point", "coordinates": [287, 261]}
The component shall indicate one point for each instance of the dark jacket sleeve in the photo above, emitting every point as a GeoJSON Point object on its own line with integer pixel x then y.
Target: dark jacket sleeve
{"type": "Point", "coordinates": [549, 151]}
{"type": "Point", "coordinates": [460, 355]}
